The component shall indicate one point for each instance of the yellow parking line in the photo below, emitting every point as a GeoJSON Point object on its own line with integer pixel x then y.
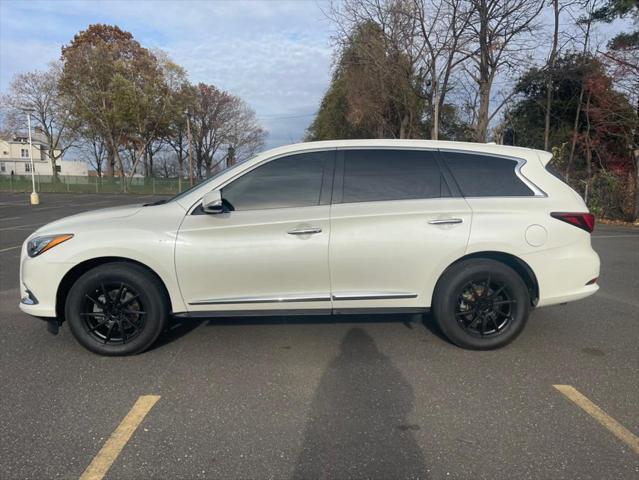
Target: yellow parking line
{"type": "Point", "coordinates": [617, 429]}
{"type": "Point", "coordinates": [118, 439]}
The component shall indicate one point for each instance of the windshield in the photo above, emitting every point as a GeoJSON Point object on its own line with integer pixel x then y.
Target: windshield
{"type": "Point", "coordinates": [198, 185]}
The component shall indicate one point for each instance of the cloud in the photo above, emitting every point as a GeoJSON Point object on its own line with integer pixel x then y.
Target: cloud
{"type": "Point", "coordinates": [276, 55]}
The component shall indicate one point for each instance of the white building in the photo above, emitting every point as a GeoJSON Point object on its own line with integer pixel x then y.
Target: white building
{"type": "Point", "coordinates": [14, 157]}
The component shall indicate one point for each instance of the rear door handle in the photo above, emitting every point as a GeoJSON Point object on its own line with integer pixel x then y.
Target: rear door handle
{"type": "Point", "coordinates": [305, 231]}
{"type": "Point", "coordinates": [445, 221]}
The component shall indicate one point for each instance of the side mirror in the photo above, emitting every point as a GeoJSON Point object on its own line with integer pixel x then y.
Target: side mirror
{"type": "Point", "coordinates": [212, 202]}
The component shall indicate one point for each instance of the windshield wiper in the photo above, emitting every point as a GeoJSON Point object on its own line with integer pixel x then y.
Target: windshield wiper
{"type": "Point", "coordinates": [157, 202]}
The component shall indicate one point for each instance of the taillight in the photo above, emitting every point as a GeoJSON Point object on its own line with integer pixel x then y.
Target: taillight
{"type": "Point", "coordinates": [585, 221]}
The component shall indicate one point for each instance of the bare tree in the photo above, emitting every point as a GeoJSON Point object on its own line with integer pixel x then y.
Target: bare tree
{"type": "Point", "coordinates": [221, 120]}
{"type": "Point", "coordinates": [501, 37]}
{"type": "Point", "coordinates": [95, 149]}
{"type": "Point", "coordinates": [586, 23]}
{"type": "Point", "coordinates": [442, 31]}
{"type": "Point", "coordinates": [38, 93]}
{"type": "Point", "coordinates": [244, 135]}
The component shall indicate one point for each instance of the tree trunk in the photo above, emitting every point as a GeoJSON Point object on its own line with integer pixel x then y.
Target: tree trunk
{"type": "Point", "coordinates": [180, 160]}
{"type": "Point", "coordinates": [145, 161]}
{"type": "Point", "coordinates": [434, 101]}
{"type": "Point", "coordinates": [52, 157]}
{"type": "Point", "coordinates": [481, 128]}
{"type": "Point", "coordinates": [588, 151]}
{"type": "Point", "coordinates": [550, 81]}
{"type": "Point", "coordinates": [636, 209]}
{"type": "Point", "coordinates": [403, 126]}
{"type": "Point", "coordinates": [434, 132]}
{"type": "Point", "coordinates": [575, 132]}
{"type": "Point", "coordinates": [230, 157]}
{"type": "Point", "coordinates": [150, 150]}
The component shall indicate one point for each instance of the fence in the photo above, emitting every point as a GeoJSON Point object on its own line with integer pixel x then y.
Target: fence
{"type": "Point", "coordinates": [73, 184]}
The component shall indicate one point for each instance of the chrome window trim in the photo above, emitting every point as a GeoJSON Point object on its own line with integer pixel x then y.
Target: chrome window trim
{"type": "Point", "coordinates": [311, 297]}
{"type": "Point", "coordinates": [372, 295]}
{"type": "Point", "coordinates": [538, 192]}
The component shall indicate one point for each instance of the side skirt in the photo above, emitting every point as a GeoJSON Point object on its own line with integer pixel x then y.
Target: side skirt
{"type": "Point", "coordinates": [298, 312]}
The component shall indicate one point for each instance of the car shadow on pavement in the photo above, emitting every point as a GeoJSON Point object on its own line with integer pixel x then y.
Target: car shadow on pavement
{"type": "Point", "coordinates": [429, 323]}
{"type": "Point", "coordinates": [175, 329]}
{"type": "Point", "coordinates": [358, 426]}
{"type": "Point", "coordinates": [180, 326]}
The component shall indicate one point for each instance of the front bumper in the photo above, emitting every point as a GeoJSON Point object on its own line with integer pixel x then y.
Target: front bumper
{"type": "Point", "coordinates": [39, 281]}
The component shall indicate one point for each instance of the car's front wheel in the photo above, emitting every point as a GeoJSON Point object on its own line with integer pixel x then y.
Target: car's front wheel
{"type": "Point", "coordinates": [481, 304]}
{"type": "Point", "coordinates": [117, 308]}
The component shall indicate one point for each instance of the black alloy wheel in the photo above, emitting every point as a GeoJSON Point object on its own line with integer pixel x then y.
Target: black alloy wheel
{"type": "Point", "coordinates": [118, 308]}
{"type": "Point", "coordinates": [485, 308]}
{"type": "Point", "coordinates": [113, 313]}
{"type": "Point", "coordinates": [481, 304]}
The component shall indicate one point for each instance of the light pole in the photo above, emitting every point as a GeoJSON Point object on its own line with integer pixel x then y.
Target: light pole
{"type": "Point", "coordinates": [35, 198]}
{"type": "Point", "coordinates": [188, 133]}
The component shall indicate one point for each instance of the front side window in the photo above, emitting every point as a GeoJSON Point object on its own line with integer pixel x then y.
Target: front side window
{"type": "Point", "coordinates": [293, 181]}
{"type": "Point", "coordinates": [381, 175]}
{"type": "Point", "coordinates": [485, 175]}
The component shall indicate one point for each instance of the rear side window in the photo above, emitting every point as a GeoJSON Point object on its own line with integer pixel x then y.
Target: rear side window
{"type": "Point", "coordinates": [382, 175]}
{"type": "Point", "coordinates": [485, 175]}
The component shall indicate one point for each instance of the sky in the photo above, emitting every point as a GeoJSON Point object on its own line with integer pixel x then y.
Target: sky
{"type": "Point", "coordinates": [276, 55]}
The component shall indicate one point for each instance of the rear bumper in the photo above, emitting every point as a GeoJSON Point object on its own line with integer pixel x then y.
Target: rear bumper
{"type": "Point", "coordinates": [563, 273]}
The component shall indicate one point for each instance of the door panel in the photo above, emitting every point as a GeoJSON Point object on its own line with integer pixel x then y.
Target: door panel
{"type": "Point", "coordinates": [390, 251]}
{"type": "Point", "coordinates": [248, 260]}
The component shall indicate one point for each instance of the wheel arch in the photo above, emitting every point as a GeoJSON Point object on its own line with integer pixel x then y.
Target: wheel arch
{"type": "Point", "coordinates": [78, 270]}
{"type": "Point", "coordinates": [517, 264]}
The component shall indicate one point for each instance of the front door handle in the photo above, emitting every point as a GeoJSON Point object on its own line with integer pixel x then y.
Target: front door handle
{"type": "Point", "coordinates": [305, 231]}
{"type": "Point", "coordinates": [445, 221]}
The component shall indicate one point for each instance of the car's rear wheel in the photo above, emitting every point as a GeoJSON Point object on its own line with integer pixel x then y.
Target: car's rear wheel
{"type": "Point", "coordinates": [117, 309]}
{"type": "Point", "coordinates": [481, 304]}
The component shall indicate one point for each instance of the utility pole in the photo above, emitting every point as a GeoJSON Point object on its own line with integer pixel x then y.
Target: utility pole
{"type": "Point", "coordinates": [188, 132]}
{"type": "Point", "coordinates": [35, 198]}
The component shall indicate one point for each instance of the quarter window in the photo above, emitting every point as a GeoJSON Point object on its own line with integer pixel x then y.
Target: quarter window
{"type": "Point", "coordinates": [485, 175]}
{"type": "Point", "coordinates": [293, 181]}
{"type": "Point", "coordinates": [383, 175]}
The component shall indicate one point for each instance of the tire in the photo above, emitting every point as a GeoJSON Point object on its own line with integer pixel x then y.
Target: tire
{"type": "Point", "coordinates": [126, 322]}
{"type": "Point", "coordinates": [479, 318]}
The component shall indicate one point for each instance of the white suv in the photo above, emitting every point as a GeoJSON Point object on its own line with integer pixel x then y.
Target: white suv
{"type": "Point", "coordinates": [480, 234]}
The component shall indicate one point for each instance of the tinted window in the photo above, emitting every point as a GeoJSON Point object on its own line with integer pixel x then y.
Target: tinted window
{"type": "Point", "coordinates": [378, 175]}
{"type": "Point", "coordinates": [486, 176]}
{"type": "Point", "coordinates": [294, 181]}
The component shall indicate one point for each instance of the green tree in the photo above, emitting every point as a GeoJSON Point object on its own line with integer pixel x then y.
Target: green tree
{"type": "Point", "coordinates": [605, 127]}
{"type": "Point", "coordinates": [114, 86]}
{"type": "Point", "coordinates": [374, 91]}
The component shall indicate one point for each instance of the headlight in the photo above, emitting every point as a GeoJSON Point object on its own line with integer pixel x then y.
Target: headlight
{"type": "Point", "coordinates": [39, 245]}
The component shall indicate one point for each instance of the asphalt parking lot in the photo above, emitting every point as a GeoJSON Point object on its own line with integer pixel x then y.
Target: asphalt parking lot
{"type": "Point", "coordinates": [321, 397]}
